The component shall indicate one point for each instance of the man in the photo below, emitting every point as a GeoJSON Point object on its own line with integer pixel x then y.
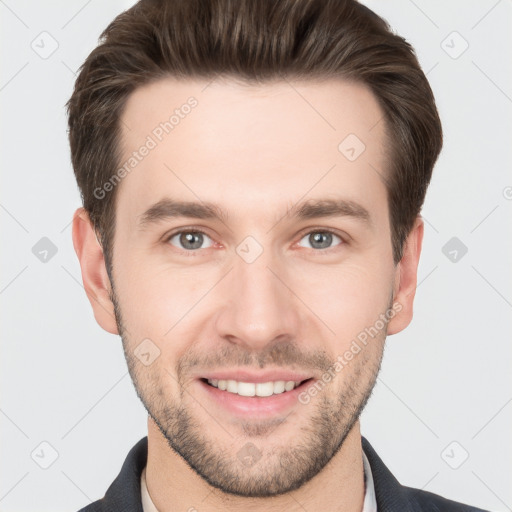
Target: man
{"type": "Point", "coordinates": [252, 173]}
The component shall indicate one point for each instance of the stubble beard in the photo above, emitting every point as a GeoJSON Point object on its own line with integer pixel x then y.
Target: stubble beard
{"type": "Point", "coordinates": [279, 470]}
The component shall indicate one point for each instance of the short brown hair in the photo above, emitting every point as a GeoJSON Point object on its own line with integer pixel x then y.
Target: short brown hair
{"type": "Point", "coordinates": [253, 41]}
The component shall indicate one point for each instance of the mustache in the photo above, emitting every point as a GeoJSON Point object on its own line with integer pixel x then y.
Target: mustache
{"type": "Point", "coordinates": [285, 354]}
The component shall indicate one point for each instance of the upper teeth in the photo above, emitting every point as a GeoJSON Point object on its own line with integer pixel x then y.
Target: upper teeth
{"type": "Point", "coordinates": [252, 389]}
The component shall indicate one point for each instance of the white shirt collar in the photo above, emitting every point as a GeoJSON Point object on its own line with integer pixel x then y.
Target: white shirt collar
{"type": "Point", "coordinates": [147, 502]}
{"type": "Point", "coordinates": [369, 505]}
{"type": "Point", "coordinates": [370, 502]}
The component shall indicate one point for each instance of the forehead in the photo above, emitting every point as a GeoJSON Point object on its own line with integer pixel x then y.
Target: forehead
{"type": "Point", "coordinates": [251, 148]}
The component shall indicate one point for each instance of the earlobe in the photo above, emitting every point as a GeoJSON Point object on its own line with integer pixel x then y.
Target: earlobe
{"type": "Point", "coordinates": [406, 278]}
{"type": "Point", "coordinates": [94, 272]}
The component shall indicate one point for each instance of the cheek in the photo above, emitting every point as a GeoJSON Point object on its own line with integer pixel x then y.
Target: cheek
{"type": "Point", "coordinates": [153, 300]}
{"type": "Point", "coordinates": [347, 298]}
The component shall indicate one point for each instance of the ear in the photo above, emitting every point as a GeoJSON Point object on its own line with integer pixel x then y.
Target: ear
{"type": "Point", "coordinates": [406, 277]}
{"type": "Point", "coordinates": [94, 272]}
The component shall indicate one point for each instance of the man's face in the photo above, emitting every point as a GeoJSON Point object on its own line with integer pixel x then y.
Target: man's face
{"type": "Point", "coordinates": [261, 294]}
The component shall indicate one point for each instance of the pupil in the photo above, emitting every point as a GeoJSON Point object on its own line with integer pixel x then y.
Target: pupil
{"type": "Point", "coordinates": [317, 237]}
{"type": "Point", "coordinates": [187, 240]}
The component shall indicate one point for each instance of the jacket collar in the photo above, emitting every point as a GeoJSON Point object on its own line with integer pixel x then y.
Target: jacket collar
{"type": "Point", "coordinates": [389, 493]}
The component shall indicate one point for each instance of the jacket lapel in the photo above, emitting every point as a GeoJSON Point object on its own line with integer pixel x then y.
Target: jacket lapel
{"type": "Point", "coordinates": [391, 496]}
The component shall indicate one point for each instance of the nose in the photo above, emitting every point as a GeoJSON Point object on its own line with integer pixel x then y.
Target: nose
{"type": "Point", "coordinates": [261, 305]}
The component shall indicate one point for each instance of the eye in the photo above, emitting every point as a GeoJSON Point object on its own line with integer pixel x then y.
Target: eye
{"type": "Point", "coordinates": [189, 241]}
{"type": "Point", "coordinates": [321, 239]}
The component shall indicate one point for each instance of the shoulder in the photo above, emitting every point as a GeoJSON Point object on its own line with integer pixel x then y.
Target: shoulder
{"type": "Point", "coordinates": [431, 502]}
{"type": "Point", "coordinates": [96, 506]}
{"type": "Point", "coordinates": [391, 496]}
{"type": "Point", "coordinates": [124, 493]}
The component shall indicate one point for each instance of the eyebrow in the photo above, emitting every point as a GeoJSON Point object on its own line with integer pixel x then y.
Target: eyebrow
{"type": "Point", "coordinates": [168, 208]}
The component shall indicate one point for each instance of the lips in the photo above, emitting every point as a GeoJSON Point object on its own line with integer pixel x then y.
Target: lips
{"type": "Point", "coordinates": [255, 395]}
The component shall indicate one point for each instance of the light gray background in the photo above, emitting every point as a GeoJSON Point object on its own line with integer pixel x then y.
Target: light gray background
{"type": "Point", "coordinates": [445, 379]}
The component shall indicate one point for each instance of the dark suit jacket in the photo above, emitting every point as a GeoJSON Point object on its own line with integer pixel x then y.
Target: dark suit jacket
{"type": "Point", "coordinates": [124, 494]}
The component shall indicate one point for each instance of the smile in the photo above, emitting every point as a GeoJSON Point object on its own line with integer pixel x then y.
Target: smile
{"type": "Point", "coordinates": [261, 389]}
{"type": "Point", "coordinates": [254, 394]}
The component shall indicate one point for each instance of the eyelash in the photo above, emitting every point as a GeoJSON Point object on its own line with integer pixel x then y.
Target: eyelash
{"type": "Point", "coordinates": [194, 253]}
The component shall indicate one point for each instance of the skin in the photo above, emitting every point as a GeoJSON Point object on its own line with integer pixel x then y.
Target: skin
{"type": "Point", "coordinates": [255, 151]}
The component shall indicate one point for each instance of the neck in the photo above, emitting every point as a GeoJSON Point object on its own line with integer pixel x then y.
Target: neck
{"type": "Point", "coordinates": [174, 486]}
